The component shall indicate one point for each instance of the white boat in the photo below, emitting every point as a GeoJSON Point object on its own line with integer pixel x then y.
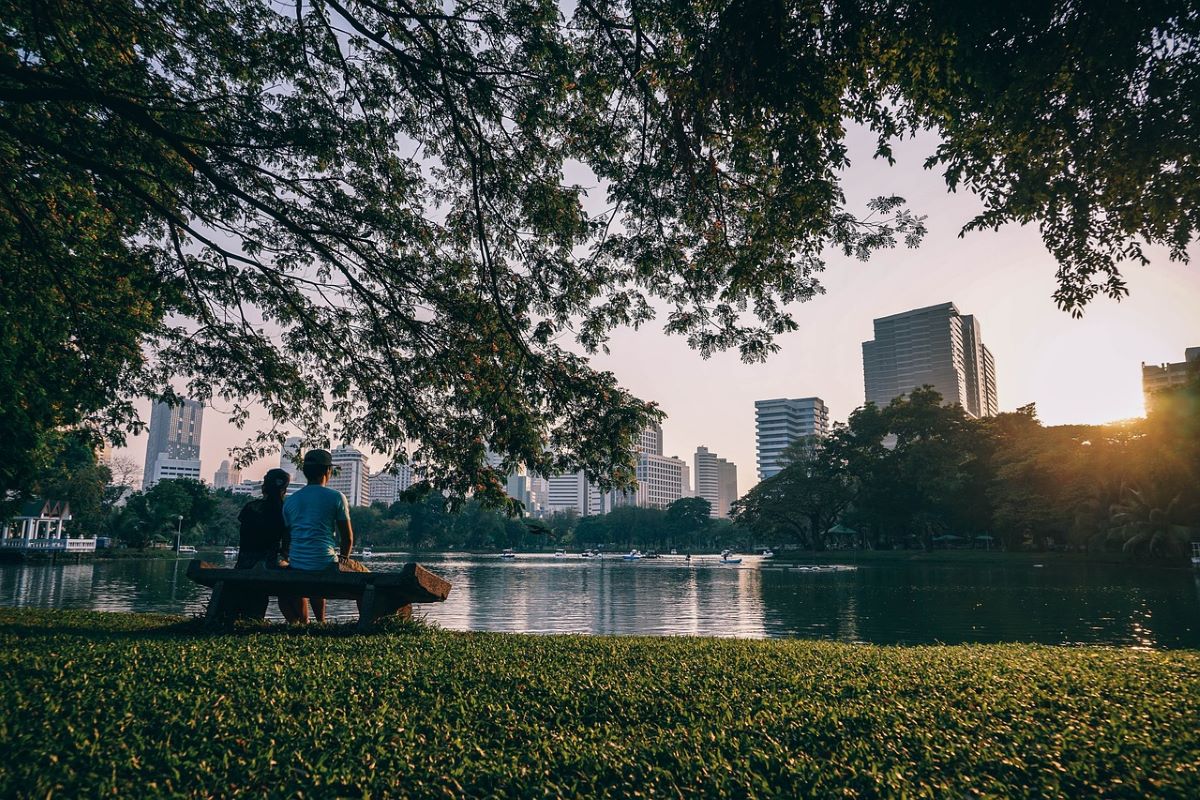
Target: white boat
{"type": "Point", "coordinates": [508, 554]}
{"type": "Point", "coordinates": [768, 554]}
{"type": "Point", "coordinates": [231, 552]}
{"type": "Point", "coordinates": [368, 553]}
{"type": "Point", "coordinates": [727, 557]}
{"type": "Point", "coordinates": [633, 555]}
{"type": "Point", "coordinates": [187, 550]}
{"type": "Point", "coordinates": [560, 553]}
{"type": "Point", "coordinates": [1196, 555]}
{"type": "Point", "coordinates": [589, 554]}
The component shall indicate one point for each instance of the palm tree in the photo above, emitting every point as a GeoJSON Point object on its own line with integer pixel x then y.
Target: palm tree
{"type": "Point", "coordinates": [1144, 520]}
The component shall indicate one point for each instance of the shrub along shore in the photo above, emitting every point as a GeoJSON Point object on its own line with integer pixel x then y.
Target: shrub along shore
{"type": "Point", "coordinates": [102, 704]}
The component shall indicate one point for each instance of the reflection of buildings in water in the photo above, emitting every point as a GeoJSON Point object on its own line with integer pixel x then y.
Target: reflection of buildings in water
{"type": "Point", "coordinates": [749, 604]}
{"type": "Point", "coordinates": [730, 601]}
{"type": "Point", "coordinates": [501, 602]}
{"type": "Point", "coordinates": [687, 606]}
{"type": "Point", "coordinates": [847, 630]}
{"type": "Point", "coordinates": [601, 597]}
{"type": "Point", "coordinates": [47, 585]}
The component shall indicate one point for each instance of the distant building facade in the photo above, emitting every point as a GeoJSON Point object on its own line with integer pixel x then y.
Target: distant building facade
{"type": "Point", "coordinates": [716, 482]}
{"type": "Point", "coordinates": [351, 475]}
{"type": "Point", "coordinates": [227, 476]}
{"type": "Point", "coordinates": [780, 422]}
{"type": "Point", "coordinates": [251, 488]}
{"type": "Point", "coordinates": [573, 491]}
{"type": "Point", "coordinates": [661, 479]}
{"type": "Point", "coordinates": [935, 345]}
{"type": "Point", "coordinates": [173, 447]}
{"type": "Point", "coordinates": [290, 459]}
{"type": "Point", "coordinates": [1157, 377]}
{"type": "Point", "coordinates": [385, 487]}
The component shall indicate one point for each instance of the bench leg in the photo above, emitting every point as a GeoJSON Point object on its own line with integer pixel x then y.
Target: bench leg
{"type": "Point", "coordinates": [390, 607]}
{"type": "Point", "coordinates": [216, 603]}
{"type": "Point", "coordinates": [366, 608]}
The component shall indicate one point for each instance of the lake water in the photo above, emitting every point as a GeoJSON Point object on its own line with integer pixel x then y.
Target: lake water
{"type": "Point", "coordinates": [894, 603]}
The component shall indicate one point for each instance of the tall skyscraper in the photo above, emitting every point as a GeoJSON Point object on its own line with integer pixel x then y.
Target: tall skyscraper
{"type": "Point", "coordinates": [937, 346]}
{"type": "Point", "coordinates": [716, 482]}
{"type": "Point", "coordinates": [780, 422]}
{"type": "Point", "coordinates": [351, 475]}
{"type": "Point", "coordinates": [290, 459]}
{"type": "Point", "coordinates": [173, 449]}
{"type": "Point", "coordinates": [1156, 377]}
{"type": "Point", "coordinates": [227, 476]}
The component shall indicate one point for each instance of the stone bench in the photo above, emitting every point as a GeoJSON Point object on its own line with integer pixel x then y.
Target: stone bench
{"type": "Point", "coordinates": [381, 594]}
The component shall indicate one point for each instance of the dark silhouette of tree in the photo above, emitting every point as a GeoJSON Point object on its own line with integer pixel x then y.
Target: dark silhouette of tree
{"type": "Point", "coordinates": [360, 208]}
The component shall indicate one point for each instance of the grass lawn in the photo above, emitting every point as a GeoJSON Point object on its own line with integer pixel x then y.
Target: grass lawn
{"type": "Point", "coordinates": [139, 705]}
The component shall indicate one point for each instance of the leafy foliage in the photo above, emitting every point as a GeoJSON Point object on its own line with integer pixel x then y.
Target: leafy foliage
{"type": "Point", "coordinates": [397, 212]}
{"type": "Point", "coordinates": [429, 713]}
{"type": "Point", "coordinates": [915, 469]}
{"type": "Point", "coordinates": [182, 505]}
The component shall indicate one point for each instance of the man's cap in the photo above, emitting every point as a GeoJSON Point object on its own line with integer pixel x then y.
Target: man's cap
{"type": "Point", "coordinates": [318, 458]}
{"type": "Point", "coordinates": [275, 481]}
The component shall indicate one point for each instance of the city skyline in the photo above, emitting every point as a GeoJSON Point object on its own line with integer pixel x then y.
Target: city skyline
{"type": "Point", "coordinates": [1084, 370]}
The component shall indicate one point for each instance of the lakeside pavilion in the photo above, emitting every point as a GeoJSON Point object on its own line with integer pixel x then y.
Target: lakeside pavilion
{"type": "Point", "coordinates": [41, 525]}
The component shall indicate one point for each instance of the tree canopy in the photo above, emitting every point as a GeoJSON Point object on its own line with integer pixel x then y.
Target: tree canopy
{"type": "Point", "coordinates": [399, 213]}
{"type": "Point", "coordinates": [915, 471]}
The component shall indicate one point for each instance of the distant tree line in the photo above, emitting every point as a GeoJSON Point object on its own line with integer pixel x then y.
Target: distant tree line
{"type": "Point", "coordinates": [204, 516]}
{"type": "Point", "coordinates": [917, 473]}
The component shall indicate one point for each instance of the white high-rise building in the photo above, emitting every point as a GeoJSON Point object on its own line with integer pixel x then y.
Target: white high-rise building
{"type": "Point", "coordinates": [935, 345]}
{"type": "Point", "coordinates": [538, 491]}
{"type": "Point", "coordinates": [227, 476]}
{"type": "Point", "coordinates": [573, 491]}
{"type": "Point", "coordinates": [661, 479]}
{"type": "Point", "coordinates": [173, 446]}
{"type": "Point", "coordinates": [716, 482]}
{"type": "Point", "coordinates": [782, 421]}
{"type": "Point", "coordinates": [251, 488]}
{"type": "Point", "coordinates": [290, 459]}
{"type": "Point", "coordinates": [351, 475]}
{"type": "Point", "coordinates": [385, 487]}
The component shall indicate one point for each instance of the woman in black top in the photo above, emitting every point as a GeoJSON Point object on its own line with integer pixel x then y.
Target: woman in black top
{"type": "Point", "coordinates": [263, 535]}
{"type": "Point", "coordinates": [264, 540]}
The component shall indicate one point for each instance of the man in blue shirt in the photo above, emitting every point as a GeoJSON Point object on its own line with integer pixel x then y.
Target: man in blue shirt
{"type": "Point", "coordinates": [318, 520]}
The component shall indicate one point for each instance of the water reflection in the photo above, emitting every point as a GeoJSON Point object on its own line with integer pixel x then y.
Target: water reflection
{"type": "Point", "coordinates": [903, 603]}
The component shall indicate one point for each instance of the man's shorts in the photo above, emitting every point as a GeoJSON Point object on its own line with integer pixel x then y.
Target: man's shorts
{"type": "Point", "coordinates": [349, 565]}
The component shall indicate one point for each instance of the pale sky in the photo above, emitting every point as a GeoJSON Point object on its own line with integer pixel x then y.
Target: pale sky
{"type": "Point", "coordinates": [1077, 370]}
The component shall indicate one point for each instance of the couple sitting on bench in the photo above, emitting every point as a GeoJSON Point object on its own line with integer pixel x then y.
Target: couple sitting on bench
{"type": "Point", "coordinates": [307, 532]}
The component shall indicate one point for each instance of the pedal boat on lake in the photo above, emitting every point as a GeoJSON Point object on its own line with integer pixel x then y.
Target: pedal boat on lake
{"type": "Point", "coordinates": [633, 555]}
{"type": "Point", "coordinates": [508, 555]}
{"type": "Point", "coordinates": [727, 557]}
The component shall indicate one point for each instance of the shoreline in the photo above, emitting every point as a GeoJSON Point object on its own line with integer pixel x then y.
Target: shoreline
{"type": "Point", "coordinates": [789, 557]}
